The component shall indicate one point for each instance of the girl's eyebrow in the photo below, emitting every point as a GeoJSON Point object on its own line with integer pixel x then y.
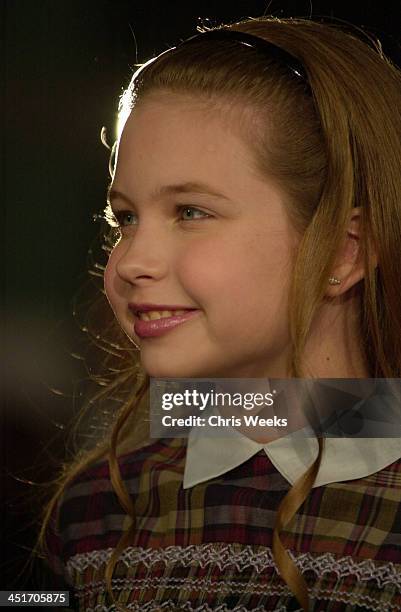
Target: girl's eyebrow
{"type": "Point", "coordinates": [165, 190]}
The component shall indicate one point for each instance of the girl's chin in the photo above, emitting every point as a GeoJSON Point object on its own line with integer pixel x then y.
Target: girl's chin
{"type": "Point", "coordinates": [184, 372]}
{"type": "Point", "coordinates": [175, 370]}
{"type": "Point", "coordinates": [173, 373]}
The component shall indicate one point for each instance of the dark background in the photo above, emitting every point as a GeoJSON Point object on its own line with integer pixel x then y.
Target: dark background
{"type": "Point", "coordinates": [65, 63]}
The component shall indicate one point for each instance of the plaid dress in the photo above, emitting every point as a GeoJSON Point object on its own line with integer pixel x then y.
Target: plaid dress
{"type": "Point", "coordinates": [209, 547]}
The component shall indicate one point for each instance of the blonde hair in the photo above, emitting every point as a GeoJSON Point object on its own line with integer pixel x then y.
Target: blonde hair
{"type": "Point", "coordinates": [344, 153]}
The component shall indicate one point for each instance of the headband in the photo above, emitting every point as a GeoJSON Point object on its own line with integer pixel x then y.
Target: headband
{"type": "Point", "coordinates": [262, 46]}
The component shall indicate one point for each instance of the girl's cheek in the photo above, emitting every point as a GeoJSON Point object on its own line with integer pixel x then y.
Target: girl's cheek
{"type": "Point", "coordinates": [110, 278]}
{"type": "Point", "coordinates": [199, 272]}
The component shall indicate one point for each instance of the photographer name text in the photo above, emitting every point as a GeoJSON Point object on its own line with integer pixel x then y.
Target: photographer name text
{"type": "Point", "coordinates": [246, 420]}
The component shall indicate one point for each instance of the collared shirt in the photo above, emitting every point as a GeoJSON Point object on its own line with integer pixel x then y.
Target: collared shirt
{"type": "Point", "coordinates": [212, 452]}
{"type": "Point", "coordinates": [211, 545]}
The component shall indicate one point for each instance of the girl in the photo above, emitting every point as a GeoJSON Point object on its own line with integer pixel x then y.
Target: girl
{"type": "Point", "coordinates": [257, 185]}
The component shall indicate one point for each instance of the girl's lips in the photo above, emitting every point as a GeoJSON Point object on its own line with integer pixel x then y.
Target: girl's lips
{"type": "Point", "coordinates": [157, 327]}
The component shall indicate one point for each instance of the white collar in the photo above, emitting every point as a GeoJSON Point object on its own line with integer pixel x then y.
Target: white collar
{"type": "Point", "coordinates": [211, 454]}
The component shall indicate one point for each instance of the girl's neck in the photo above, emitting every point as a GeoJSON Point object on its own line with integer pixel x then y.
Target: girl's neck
{"type": "Point", "coordinates": [341, 353]}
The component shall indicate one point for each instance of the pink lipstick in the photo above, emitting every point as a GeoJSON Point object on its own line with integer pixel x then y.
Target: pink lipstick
{"type": "Point", "coordinates": [157, 327]}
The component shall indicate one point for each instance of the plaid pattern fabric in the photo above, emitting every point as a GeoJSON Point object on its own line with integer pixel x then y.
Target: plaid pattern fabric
{"type": "Point", "coordinates": [208, 547]}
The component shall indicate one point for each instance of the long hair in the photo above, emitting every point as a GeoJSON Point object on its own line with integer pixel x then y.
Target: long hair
{"type": "Point", "coordinates": [330, 151]}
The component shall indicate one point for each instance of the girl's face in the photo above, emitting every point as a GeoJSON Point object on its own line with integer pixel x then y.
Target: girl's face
{"type": "Point", "coordinates": [229, 255]}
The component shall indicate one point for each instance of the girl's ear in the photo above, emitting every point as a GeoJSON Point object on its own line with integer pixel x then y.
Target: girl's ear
{"type": "Point", "coordinates": [348, 268]}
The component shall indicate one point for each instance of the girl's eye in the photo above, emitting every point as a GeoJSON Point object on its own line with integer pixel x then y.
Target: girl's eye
{"type": "Point", "coordinates": [121, 215]}
{"type": "Point", "coordinates": [115, 219]}
{"type": "Point", "coordinates": [185, 209]}
{"type": "Point", "coordinates": [124, 218]}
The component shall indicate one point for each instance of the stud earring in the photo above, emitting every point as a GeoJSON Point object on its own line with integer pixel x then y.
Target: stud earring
{"type": "Point", "coordinates": [333, 280]}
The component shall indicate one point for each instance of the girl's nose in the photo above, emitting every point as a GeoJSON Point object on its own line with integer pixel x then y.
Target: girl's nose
{"type": "Point", "coordinates": [142, 257]}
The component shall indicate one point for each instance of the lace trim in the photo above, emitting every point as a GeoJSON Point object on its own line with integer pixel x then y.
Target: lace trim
{"type": "Point", "coordinates": [171, 606]}
{"type": "Point", "coordinates": [228, 556]}
{"type": "Point", "coordinates": [316, 593]}
{"type": "Point", "coordinates": [155, 582]}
